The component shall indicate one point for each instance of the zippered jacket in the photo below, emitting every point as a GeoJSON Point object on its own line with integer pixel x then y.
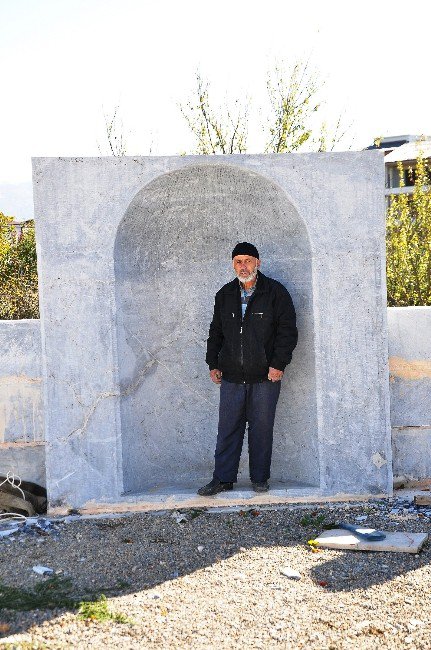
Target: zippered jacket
{"type": "Point", "coordinates": [245, 349]}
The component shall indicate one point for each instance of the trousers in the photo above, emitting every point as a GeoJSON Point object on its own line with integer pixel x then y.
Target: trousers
{"type": "Point", "coordinates": [239, 404]}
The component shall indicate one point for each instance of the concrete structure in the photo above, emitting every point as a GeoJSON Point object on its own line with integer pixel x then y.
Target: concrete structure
{"type": "Point", "coordinates": [21, 404]}
{"type": "Point", "coordinates": [410, 390]}
{"type": "Point", "coordinates": [131, 252]}
{"type": "Point", "coordinates": [410, 385]}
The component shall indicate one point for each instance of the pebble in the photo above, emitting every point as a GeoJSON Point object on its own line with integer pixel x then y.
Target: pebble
{"type": "Point", "coordinates": [42, 570]}
{"type": "Point", "coordinates": [290, 573]}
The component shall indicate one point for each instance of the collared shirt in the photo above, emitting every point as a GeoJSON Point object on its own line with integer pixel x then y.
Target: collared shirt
{"type": "Point", "coordinates": [245, 297]}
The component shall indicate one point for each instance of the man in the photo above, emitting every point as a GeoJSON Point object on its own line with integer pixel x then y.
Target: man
{"type": "Point", "coordinates": [251, 339]}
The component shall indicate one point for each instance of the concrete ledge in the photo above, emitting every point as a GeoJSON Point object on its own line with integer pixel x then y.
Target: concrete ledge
{"type": "Point", "coordinates": [187, 498]}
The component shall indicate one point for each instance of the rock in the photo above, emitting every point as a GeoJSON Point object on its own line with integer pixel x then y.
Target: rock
{"type": "Point", "coordinates": [42, 570]}
{"type": "Point", "coordinates": [290, 573]}
{"type": "Point", "coordinates": [399, 482]}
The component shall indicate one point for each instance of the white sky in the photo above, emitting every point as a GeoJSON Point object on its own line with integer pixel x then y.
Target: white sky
{"type": "Point", "coordinates": [65, 61]}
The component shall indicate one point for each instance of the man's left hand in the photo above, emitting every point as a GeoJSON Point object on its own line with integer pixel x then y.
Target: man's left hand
{"type": "Point", "coordinates": [274, 374]}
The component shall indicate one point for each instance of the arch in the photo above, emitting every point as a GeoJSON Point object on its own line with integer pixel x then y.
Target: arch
{"type": "Point", "coordinates": [172, 253]}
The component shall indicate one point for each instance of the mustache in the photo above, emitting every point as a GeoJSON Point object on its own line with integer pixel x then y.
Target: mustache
{"type": "Point", "coordinates": [248, 278]}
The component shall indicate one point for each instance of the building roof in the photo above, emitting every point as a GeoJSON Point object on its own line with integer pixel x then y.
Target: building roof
{"type": "Point", "coordinates": [392, 141]}
{"type": "Point", "coordinates": [409, 151]}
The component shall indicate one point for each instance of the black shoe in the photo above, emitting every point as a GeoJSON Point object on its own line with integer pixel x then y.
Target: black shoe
{"type": "Point", "coordinates": [214, 487]}
{"type": "Point", "coordinates": [261, 487]}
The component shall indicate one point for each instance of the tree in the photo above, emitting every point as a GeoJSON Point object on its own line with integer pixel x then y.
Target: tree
{"type": "Point", "coordinates": [225, 133]}
{"type": "Point", "coordinates": [408, 240]}
{"type": "Point", "coordinates": [114, 132]}
{"type": "Point", "coordinates": [292, 123]}
{"type": "Point", "coordinates": [18, 271]}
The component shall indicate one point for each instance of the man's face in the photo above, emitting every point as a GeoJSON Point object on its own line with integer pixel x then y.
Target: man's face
{"type": "Point", "coordinates": [245, 267]}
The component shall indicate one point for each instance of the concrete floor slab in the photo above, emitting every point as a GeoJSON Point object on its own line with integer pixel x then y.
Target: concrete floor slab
{"type": "Point", "coordinates": [183, 497]}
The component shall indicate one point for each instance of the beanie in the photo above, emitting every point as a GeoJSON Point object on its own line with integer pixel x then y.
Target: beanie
{"type": "Point", "coordinates": [244, 248]}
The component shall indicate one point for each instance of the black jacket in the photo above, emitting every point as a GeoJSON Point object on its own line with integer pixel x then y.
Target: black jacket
{"type": "Point", "coordinates": [245, 349]}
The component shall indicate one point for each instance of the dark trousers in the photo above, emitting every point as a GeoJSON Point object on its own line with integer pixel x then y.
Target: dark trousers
{"type": "Point", "coordinates": [239, 404]}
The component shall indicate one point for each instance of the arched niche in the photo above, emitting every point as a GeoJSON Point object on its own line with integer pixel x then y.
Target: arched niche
{"type": "Point", "coordinates": [172, 253]}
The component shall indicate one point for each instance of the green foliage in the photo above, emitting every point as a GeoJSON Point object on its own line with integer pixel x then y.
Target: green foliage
{"type": "Point", "coordinates": [49, 594]}
{"type": "Point", "coordinates": [292, 104]}
{"type": "Point", "coordinates": [56, 592]}
{"type": "Point", "coordinates": [216, 131]}
{"type": "Point", "coordinates": [408, 241]}
{"type": "Point", "coordinates": [292, 124]}
{"type": "Point", "coordinates": [312, 520]}
{"type": "Point", "coordinates": [18, 271]}
{"type": "Point", "coordinates": [98, 611]}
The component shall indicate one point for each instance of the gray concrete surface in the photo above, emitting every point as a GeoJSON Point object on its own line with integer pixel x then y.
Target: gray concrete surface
{"type": "Point", "coordinates": [21, 405]}
{"type": "Point", "coordinates": [410, 390]}
{"type": "Point", "coordinates": [25, 459]}
{"type": "Point", "coordinates": [131, 251]}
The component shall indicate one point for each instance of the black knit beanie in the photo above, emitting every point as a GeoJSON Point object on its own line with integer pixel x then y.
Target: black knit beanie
{"type": "Point", "coordinates": [244, 248]}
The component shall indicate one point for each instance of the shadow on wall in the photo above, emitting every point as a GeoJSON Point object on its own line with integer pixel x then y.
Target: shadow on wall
{"type": "Point", "coordinates": [172, 253]}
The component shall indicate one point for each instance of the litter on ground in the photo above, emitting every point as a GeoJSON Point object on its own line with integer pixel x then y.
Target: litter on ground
{"type": "Point", "coordinates": [398, 542]}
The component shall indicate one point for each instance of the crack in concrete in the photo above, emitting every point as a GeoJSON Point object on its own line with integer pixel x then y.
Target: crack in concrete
{"type": "Point", "coordinates": [65, 477]}
{"type": "Point", "coordinates": [132, 387]}
{"type": "Point", "coordinates": [124, 393]}
{"type": "Point", "coordinates": [135, 385]}
{"type": "Point", "coordinates": [93, 407]}
{"type": "Point", "coordinates": [164, 346]}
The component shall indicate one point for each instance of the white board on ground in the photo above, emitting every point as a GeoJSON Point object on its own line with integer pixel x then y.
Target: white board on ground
{"type": "Point", "coordinates": [398, 542]}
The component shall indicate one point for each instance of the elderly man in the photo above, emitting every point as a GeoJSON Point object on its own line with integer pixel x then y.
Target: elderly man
{"type": "Point", "coordinates": [251, 339]}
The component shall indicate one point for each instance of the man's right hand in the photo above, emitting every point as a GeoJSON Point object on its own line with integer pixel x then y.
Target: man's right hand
{"type": "Point", "coordinates": [215, 376]}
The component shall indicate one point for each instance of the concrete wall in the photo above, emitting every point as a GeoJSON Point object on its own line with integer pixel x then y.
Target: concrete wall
{"type": "Point", "coordinates": [126, 400]}
{"type": "Point", "coordinates": [21, 401]}
{"type": "Point", "coordinates": [22, 448]}
{"type": "Point", "coordinates": [410, 388]}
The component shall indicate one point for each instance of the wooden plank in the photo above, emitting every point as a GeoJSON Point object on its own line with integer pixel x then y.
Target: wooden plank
{"type": "Point", "coordinates": [398, 542]}
{"type": "Point", "coordinates": [423, 500]}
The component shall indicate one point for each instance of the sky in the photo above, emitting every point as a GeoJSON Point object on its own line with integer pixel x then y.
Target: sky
{"type": "Point", "coordinates": [67, 63]}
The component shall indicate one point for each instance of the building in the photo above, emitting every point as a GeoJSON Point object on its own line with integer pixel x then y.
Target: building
{"type": "Point", "coordinates": [402, 149]}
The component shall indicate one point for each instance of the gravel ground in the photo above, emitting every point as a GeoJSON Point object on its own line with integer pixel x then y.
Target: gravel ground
{"type": "Point", "coordinates": [214, 581]}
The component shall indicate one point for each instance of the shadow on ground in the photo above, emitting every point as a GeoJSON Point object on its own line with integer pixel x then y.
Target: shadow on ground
{"type": "Point", "coordinates": [137, 553]}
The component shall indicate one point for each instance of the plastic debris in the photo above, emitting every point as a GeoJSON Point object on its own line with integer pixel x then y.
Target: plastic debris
{"type": "Point", "coordinates": [179, 517]}
{"type": "Point", "coordinates": [32, 526]}
{"type": "Point", "coordinates": [290, 573]}
{"type": "Point", "coordinates": [200, 549]}
{"type": "Point", "coordinates": [43, 570]}
{"type": "Point", "coordinates": [9, 531]}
